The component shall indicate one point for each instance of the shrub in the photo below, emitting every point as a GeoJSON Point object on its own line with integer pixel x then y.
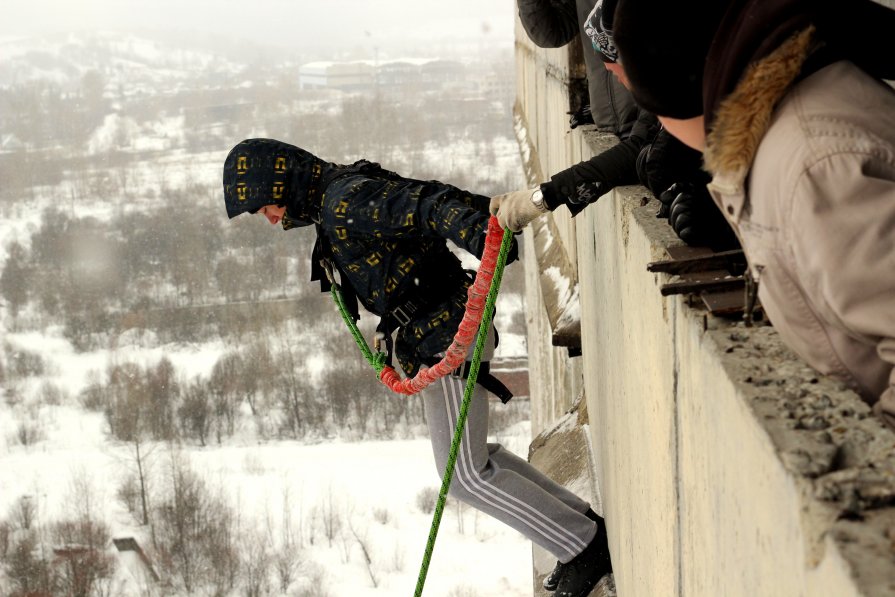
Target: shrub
{"type": "Point", "coordinates": [27, 571]}
{"type": "Point", "coordinates": [50, 393]}
{"type": "Point", "coordinates": [5, 539]}
{"type": "Point", "coordinates": [382, 515]}
{"type": "Point", "coordinates": [426, 500]}
{"type": "Point", "coordinates": [29, 433]}
{"type": "Point", "coordinates": [23, 363]}
{"type": "Point", "coordinates": [128, 494]}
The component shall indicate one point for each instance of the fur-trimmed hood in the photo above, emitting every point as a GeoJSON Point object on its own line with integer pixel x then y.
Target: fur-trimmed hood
{"type": "Point", "coordinates": [803, 158]}
{"type": "Point", "coordinates": [743, 116]}
{"type": "Point", "coordinates": [762, 47]}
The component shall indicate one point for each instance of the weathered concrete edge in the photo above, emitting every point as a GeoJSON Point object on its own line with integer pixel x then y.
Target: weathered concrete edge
{"type": "Point", "coordinates": [840, 457]}
{"type": "Point", "coordinates": [559, 278]}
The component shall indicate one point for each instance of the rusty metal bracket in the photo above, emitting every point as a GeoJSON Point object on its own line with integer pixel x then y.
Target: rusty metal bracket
{"type": "Point", "coordinates": [719, 279]}
{"type": "Point", "coordinates": [713, 283]}
{"type": "Point", "coordinates": [731, 261]}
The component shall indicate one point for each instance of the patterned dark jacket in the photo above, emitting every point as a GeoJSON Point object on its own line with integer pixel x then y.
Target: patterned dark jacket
{"type": "Point", "coordinates": [386, 234]}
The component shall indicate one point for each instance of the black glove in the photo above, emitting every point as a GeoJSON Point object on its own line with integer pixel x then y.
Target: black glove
{"type": "Point", "coordinates": [586, 193]}
{"type": "Point", "coordinates": [695, 218]}
{"type": "Point", "coordinates": [665, 199]}
{"type": "Point", "coordinates": [513, 253]}
{"type": "Point", "coordinates": [664, 160]}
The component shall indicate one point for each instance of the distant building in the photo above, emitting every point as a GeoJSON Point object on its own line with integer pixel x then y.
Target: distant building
{"type": "Point", "coordinates": [347, 76]}
{"type": "Point", "coordinates": [441, 72]}
{"type": "Point", "coordinates": [401, 75]}
{"type": "Point", "coordinates": [406, 72]}
{"type": "Point", "coordinates": [501, 85]}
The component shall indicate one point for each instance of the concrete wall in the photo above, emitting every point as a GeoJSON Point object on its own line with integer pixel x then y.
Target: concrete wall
{"type": "Point", "coordinates": [542, 81]}
{"type": "Point", "coordinates": [726, 466]}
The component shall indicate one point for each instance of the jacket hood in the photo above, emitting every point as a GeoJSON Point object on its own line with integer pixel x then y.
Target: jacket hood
{"type": "Point", "coordinates": [742, 118]}
{"type": "Point", "coordinates": [751, 30]}
{"type": "Point", "coordinates": [259, 172]}
{"type": "Point", "coordinates": [684, 58]}
{"type": "Point", "coordinates": [599, 29]}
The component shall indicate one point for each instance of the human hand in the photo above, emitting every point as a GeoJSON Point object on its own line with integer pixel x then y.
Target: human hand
{"type": "Point", "coordinates": [666, 198]}
{"type": "Point", "coordinates": [695, 218]}
{"type": "Point", "coordinates": [515, 210]}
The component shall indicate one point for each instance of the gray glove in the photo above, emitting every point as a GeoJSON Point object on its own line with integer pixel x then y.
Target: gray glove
{"type": "Point", "coordinates": [515, 210]}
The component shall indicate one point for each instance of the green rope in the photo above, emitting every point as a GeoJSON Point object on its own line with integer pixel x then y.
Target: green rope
{"type": "Point", "coordinates": [464, 408]}
{"type": "Point", "coordinates": [377, 361]}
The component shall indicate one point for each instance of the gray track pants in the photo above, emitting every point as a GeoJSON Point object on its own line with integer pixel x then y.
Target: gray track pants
{"type": "Point", "coordinates": [499, 483]}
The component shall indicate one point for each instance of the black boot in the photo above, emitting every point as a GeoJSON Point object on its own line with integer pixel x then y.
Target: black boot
{"type": "Point", "coordinates": [580, 575]}
{"type": "Point", "coordinates": [551, 581]}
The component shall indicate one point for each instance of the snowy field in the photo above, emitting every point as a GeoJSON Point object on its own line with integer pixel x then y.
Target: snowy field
{"type": "Point", "coordinates": [333, 518]}
{"type": "Point", "coordinates": [372, 487]}
{"type": "Point", "coordinates": [332, 502]}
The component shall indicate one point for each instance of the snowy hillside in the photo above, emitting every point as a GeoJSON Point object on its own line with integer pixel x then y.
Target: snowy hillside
{"type": "Point", "coordinates": [134, 64]}
{"type": "Point", "coordinates": [171, 378]}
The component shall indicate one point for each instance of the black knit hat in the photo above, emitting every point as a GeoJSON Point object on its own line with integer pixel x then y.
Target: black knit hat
{"type": "Point", "coordinates": [259, 172]}
{"type": "Point", "coordinates": [598, 28]}
{"type": "Point", "coordinates": [663, 47]}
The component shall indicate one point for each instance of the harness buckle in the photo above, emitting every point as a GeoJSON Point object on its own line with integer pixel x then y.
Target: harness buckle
{"type": "Point", "coordinates": [403, 312]}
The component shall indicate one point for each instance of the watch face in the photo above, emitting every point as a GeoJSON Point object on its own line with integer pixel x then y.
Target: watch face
{"type": "Point", "coordinates": [537, 197]}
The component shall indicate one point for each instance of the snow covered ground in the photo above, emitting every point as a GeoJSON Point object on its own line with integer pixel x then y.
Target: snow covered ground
{"type": "Point", "coordinates": [277, 488]}
{"type": "Point", "coordinates": [348, 516]}
{"type": "Point", "coordinates": [373, 488]}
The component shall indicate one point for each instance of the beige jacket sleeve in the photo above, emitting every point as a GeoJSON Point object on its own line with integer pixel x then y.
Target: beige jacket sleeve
{"type": "Point", "coordinates": [843, 231]}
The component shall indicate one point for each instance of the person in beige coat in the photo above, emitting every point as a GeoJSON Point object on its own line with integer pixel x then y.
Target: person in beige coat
{"type": "Point", "coordinates": [798, 132]}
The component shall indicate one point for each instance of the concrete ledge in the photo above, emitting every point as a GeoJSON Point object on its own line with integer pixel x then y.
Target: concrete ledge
{"type": "Point", "coordinates": [729, 467]}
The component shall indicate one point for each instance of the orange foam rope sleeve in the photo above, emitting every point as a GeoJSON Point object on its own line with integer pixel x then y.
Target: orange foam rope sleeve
{"type": "Point", "coordinates": [477, 295]}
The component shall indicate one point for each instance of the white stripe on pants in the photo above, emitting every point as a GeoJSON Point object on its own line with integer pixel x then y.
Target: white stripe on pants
{"type": "Point", "coordinates": [499, 483]}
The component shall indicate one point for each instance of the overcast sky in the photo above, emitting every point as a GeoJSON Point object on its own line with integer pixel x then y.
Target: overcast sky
{"type": "Point", "coordinates": [299, 24]}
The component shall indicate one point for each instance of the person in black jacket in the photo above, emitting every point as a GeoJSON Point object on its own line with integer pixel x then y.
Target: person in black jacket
{"type": "Point", "coordinates": [649, 155]}
{"type": "Point", "coordinates": [385, 236]}
{"type": "Point", "coordinates": [555, 23]}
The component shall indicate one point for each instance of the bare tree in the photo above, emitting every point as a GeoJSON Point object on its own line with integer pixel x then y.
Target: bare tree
{"type": "Point", "coordinates": [330, 515]}
{"type": "Point", "coordinates": [82, 561]}
{"type": "Point", "coordinates": [5, 538]}
{"type": "Point", "coordinates": [256, 566]}
{"type": "Point", "coordinates": [223, 385]}
{"type": "Point", "coordinates": [28, 570]}
{"type": "Point", "coordinates": [15, 280]}
{"type": "Point", "coordinates": [23, 514]}
{"type": "Point", "coordinates": [284, 558]}
{"type": "Point", "coordinates": [292, 389]}
{"type": "Point", "coordinates": [195, 532]}
{"type": "Point", "coordinates": [195, 412]}
{"type": "Point", "coordinates": [139, 463]}
{"type": "Point", "coordinates": [179, 518]}
{"type": "Point", "coordinates": [364, 544]}
{"type": "Point", "coordinates": [160, 394]}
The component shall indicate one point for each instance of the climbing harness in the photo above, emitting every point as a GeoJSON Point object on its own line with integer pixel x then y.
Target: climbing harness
{"type": "Point", "coordinates": [497, 245]}
{"type": "Point", "coordinates": [482, 296]}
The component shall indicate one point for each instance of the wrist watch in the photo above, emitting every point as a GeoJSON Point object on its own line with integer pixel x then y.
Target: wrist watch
{"type": "Point", "coordinates": [537, 198]}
